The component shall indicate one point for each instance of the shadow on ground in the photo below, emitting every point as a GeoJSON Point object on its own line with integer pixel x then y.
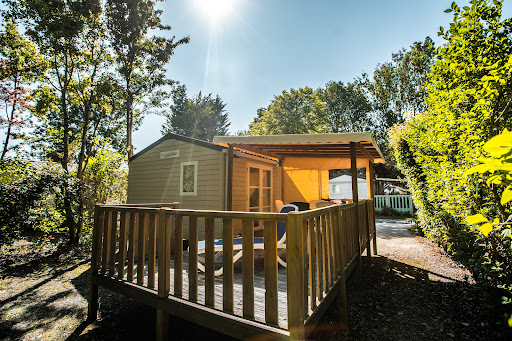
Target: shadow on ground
{"type": "Point", "coordinates": [395, 301]}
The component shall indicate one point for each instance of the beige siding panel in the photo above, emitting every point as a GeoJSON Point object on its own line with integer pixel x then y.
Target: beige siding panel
{"type": "Point", "coordinates": [151, 179]}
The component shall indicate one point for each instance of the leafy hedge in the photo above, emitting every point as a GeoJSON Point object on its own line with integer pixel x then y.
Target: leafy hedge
{"type": "Point", "coordinates": [469, 96]}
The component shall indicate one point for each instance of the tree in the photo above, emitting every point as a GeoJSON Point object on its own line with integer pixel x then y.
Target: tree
{"type": "Point", "coordinates": [140, 58]}
{"type": "Point", "coordinates": [20, 65]}
{"type": "Point", "coordinates": [74, 99]}
{"type": "Point", "coordinates": [299, 111]}
{"type": "Point", "coordinates": [200, 117]}
{"type": "Point", "coordinates": [348, 108]}
{"type": "Point", "coordinates": [396, 88]}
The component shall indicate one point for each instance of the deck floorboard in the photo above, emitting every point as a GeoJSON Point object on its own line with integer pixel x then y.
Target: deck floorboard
{"type": "Point", "coordinates": [259, 287]}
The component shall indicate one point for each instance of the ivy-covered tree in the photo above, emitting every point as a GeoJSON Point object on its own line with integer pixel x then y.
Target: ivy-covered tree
{"type": "Point", "coordinates": [299, 111]}
{"type": "Point", "coordinates": [140, 57]}
{"type": "Point", "coordinates": [20, 65]}
{"type": "Point", "coordinates": [200, 117]}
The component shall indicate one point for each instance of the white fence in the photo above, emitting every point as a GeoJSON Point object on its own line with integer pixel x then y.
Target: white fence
{"type": "Point", "coordinates": [401, 203]}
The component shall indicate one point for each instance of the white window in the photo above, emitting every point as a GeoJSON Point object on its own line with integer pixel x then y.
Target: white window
{"type": "Point", "coordinates": [188, 178]}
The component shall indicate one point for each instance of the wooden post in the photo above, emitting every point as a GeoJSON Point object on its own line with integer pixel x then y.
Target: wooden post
{"type": "Point", "coordinates": [341, 300]}
{"type": "Point", "coordinates": [229, 194]}
{"type": "Point", "coordinates": [295, 276]}
{"type": "Point", "coordinates": [92, 313]}
{"type": "Point", "coordinates": [162, 318]}
{"type": "Point", "coordinates": [228, 278]}
{"type": "Point", "coordinates": [355, 199]}
{"type": "Point", "coordinates": [371, 194]}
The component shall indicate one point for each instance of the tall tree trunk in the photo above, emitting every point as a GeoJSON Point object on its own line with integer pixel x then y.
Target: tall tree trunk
{"type": "Point", "coordinates": [9, 127]}
{"type": "Point", "coordinates": [129, 123]}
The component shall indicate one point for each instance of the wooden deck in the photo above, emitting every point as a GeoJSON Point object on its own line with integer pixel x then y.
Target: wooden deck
{"type": "Point", "coordinates": [255, 297]}
{"type": "Point", "coordinates": [259, 287]}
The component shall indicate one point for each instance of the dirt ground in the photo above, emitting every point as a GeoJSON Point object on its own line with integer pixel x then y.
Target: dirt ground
{"type": "Point", "coordinates": [410, 291]}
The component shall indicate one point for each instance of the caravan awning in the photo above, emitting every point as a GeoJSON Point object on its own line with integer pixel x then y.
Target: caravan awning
{"type": "Point", "coordinates": [307, 145]}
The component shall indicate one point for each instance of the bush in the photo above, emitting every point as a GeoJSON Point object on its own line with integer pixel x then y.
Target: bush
{"type": "Point", "coordinates": [26, 199]}
{"type": "Point", "coordinates": [468, 99]}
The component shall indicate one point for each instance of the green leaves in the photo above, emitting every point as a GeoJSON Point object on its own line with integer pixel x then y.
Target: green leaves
{"type": "Point", "coordinates": [500, 145]}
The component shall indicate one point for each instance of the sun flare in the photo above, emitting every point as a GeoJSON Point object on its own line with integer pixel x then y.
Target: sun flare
{"type": "Point", "coordinates": [215, 10]}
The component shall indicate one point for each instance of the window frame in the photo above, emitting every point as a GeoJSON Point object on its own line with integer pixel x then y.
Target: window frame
{"type": "Point", "coordinates": [182, 167]}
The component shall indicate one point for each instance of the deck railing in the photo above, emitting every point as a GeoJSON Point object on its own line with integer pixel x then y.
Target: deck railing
{"type": "Point", "coordinates": [135, 246]}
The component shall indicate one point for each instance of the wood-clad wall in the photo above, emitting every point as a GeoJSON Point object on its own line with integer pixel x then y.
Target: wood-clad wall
{"type": "Point", "coordinates": [155, 180]}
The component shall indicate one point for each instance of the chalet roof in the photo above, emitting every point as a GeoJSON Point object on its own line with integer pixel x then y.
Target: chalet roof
{"type": "Point", "coordinates": [336, 145]}
{"type": "Point", "coordinates": [171, 136]}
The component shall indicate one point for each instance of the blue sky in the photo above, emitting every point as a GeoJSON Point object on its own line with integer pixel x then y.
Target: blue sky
{"type": "Point", "coordinates": [261, 47]}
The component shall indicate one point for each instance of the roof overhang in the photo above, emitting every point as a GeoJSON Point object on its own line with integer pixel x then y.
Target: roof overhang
{"type": "Point", "coordinates": [335, 145]}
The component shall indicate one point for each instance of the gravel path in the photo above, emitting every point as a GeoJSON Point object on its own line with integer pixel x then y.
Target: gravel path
{"type": "Point", "coordinates": [413, 291]}
{"type": "Point", "coordinates": [397, 242]}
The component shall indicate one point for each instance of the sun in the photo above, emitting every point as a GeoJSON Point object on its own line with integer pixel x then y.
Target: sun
{"type": "Point", "coordinates": [215, 10]}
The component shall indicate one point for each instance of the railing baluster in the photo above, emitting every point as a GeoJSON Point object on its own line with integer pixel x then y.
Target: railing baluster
{"type": "Point", "coordinates": [312, 261]}
{"type": "Point", "coordinates": [319, 258]}
{"type": "Point", "coordinates": [209, 280]}
{"type": "Point", "coordinates": [106, 241]}
{"type": "Point", "coordinates": [228, 277]}
{"type": "Point", "coordinates": [304, 231]}
{"type": "Point", "coordinates": [141, 252]}
{"type": "Point", "coordinates": [113, 239]}
{"type": "Point", "coordinates": [122, 244]}
{"type": "Point", "coordinates": [131, 247]}
{"type": "Point", "coordinates": [152, 251]}
{"type": "Point", "coordinates": [327, 252]}
{"type": "Point", "coordinates": [248, 268]}
{"type": "Point", "coordinates": [192, 260]}
{"type": "Point", "coordinates": [334, 265]}
{"type": "Point", "coordinates": [271, 289]}
{"type": "Point", "coordinates": [168, 240]}
{"type": "Point", "coordinates": [178, 256]}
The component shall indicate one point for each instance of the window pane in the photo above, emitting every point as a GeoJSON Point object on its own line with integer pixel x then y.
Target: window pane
{"type": "Point", "coordinates": [266, 197]}
{"type": "Point", "coordinates": [188, 178]}
{"type": "Point", "coordinates": [254, 176]}
{"type": "Point", "coordinates": [266, 178]}
{"type": "Point", "coordinates": [254, 197]}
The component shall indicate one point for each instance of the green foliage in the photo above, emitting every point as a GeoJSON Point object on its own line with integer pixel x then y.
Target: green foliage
{"type": "Point", "coordinates": [26, 199]}
{"type": "Point", "coordinates": [299, 111]}
{"type": "Point", "coordinates": [347, 106]}
{"type": "Point", "coordinates": [141, 57]}
{"type": "Point", "coordinates": [105, 182]}
{"type": "Point", "coordinates": [200, 117]}
{"type": "Point", "coordinates": [396, 89]}
{"type": "Point", "coordinates": [468, 99]}
{"type": "Point", "coordinates": [20, 65]}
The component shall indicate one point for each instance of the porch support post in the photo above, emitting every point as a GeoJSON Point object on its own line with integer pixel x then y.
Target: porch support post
{"type": "Point", "coordinates": [229, 180]}
{"type": "Point", "coordinates": [92, 312]}
{"type": "Point", "coordinates": [295, 276]}
{"type": "Point", "coordinates": [370, 175]}
{"type": "Point", "coordinates": [355, 199]}
{"type": "Point", "coordinates": [164, 259]}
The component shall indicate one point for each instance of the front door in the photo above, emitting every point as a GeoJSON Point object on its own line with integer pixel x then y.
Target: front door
{"type": "Point", "coordinates": [259, 188]}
